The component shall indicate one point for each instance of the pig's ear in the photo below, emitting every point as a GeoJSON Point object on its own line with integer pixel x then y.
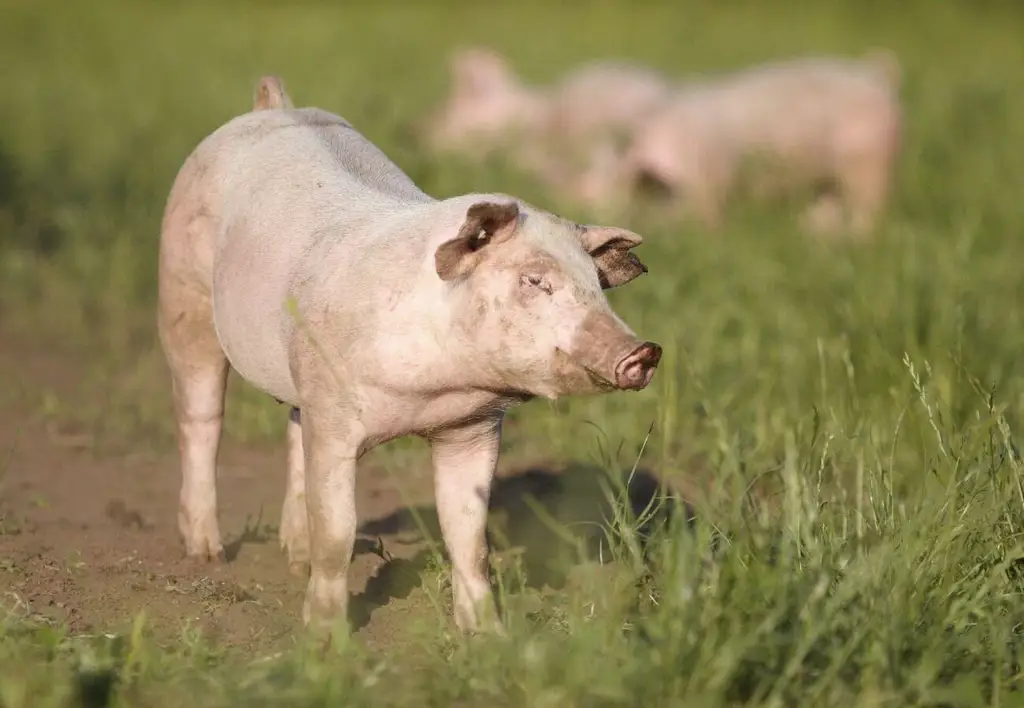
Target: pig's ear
{"type": "Point", "coordinates": [478, 70]}
{"type": "Point", "coordinates": [609, 247]}
{"type": "Point", "coordinates": [486, 223]}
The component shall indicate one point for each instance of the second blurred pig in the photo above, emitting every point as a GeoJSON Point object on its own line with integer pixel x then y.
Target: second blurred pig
{"type": "Point", "coordinates": [825, 123]}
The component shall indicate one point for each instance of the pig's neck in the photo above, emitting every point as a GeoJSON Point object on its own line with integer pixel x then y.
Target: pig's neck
{"type": "Point", "coordinates": [467, 353]}
{"type": "Point", "coordinates": [420, 371]}
{"type": "Point", "coordinates": [434, 386]}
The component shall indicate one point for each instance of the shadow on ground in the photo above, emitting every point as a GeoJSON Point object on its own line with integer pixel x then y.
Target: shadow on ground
{"type": "Point", "coordinates": [551, 518]}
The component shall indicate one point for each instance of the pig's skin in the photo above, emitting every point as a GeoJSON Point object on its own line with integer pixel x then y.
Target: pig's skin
{"type": "Point", "coordinates": [833, 121]}
{"type": "Point", "coordinates": [413, 316]}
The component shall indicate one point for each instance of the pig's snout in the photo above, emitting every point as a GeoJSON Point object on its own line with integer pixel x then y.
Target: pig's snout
{"type": "Point", "coordinates": [635, 370]}
{"type": "Point", "coordinates": [611, 355]}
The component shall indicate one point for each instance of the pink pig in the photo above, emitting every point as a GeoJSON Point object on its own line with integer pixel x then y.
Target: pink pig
{"type": "Point", "coordinates": [810, 121]}
{"type": "Point", "coordinates": [294, 251]}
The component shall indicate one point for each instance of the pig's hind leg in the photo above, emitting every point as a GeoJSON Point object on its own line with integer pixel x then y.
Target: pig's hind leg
{"type": "Point", "coordinates": [199, 370]}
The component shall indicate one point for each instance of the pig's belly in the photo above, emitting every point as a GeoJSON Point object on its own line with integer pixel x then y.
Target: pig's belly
{"type": "Point", "coordinates": [250, 321]}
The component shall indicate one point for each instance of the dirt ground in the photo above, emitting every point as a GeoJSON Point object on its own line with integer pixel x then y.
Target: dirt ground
{"type": "Point", "coordinates": [88, 538]}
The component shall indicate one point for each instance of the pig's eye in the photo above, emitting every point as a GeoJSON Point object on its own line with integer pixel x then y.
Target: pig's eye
{"type": "Point", "coordinates": [536, 281]}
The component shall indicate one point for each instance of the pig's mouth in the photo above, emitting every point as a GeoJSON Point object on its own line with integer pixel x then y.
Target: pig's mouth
{"type": "Point", "coordinates": [597, 379]}
{"type": "Point", "coordinates": [602, 382]}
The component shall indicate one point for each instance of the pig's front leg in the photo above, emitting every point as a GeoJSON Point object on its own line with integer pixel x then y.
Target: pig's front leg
{"type": "Point", "coordinates": [331, 445]}
{"type": "Point", "coordinates": [464, 463]}
{"type": "Point", "coordinates": [294, 532]}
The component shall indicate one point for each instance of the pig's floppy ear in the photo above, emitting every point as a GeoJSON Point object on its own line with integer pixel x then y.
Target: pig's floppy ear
{"type": "Point", "coordinates": [609, 247]}
{"type": "Point", "coordinates": [486, 223]}
{"type": "Point", "coordinates": [478, 70]}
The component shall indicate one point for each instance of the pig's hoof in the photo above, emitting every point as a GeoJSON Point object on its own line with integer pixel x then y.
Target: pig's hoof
{"type": "Point", "coordinates": [484, 620]}
{"type": "Point", "coordinates": [492, 628]}
{"type": "Point", "coordinates": [204, 549]}
{"type": "Point", "coordinates": [204, 557]}
{"type": "Point", "coordinates": [201, 539]}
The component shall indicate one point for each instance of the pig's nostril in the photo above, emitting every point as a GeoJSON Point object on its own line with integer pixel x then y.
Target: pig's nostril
{"type": "Point", "coordinates": [636, 369]}
{"type": "Point", "coordinates": [653, 354]}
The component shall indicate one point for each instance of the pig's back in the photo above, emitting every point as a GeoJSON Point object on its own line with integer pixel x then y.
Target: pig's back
{"type": "Point", "coordinates": [831, 86]}
{"type": "Point", "coordinates": [291, 180]}
{"type": "Point", "coordinates": [304, 149]}
{"type": "Point", "coordinates": [802, 104]}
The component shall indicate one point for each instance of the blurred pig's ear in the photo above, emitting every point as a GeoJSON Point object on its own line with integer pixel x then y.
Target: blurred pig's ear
{"type": "Point", "coordinates": [609, 247]}
{"type": "Point", "coordinates": [486, 223]}
{"type": "Point", "coordinates": [479, 70]}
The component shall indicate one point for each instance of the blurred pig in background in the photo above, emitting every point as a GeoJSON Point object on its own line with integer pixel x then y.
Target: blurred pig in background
{"type": "Point", "coordinates": [828, 124]}
{"type": "Point", "coordinates": [551, 131]}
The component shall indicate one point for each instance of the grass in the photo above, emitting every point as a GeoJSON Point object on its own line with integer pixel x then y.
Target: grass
{"type": "Point", "coordinates": [870, 395]}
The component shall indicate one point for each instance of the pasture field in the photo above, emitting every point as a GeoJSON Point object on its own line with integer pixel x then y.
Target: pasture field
{"type": "Point", "coordinates": [841, 419]}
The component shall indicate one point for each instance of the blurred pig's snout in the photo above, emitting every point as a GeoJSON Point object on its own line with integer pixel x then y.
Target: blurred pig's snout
{"type": "Point", "coordinates": [635, 370]}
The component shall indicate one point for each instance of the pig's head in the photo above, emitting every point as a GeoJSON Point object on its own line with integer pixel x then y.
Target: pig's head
{"type": "Point", "coordinates": [526, 293]}
{"type": "Point", "coordinates": [486, 103]}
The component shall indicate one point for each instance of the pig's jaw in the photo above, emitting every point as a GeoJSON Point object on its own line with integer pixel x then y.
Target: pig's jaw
{"type": "Point", "coordinates": [598, 379]}
{"type": "Point", "coordinates": [572, 377]}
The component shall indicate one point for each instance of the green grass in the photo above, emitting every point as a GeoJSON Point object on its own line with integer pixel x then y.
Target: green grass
{"type": "Point", "coordinates": [871, 393]}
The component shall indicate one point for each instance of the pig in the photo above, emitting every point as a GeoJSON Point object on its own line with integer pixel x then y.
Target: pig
{"type": "Point", "coordinates": [488, 106]}
{"type": "Point", "coordinates": [294, 251]}
{"type": "Point", "coordinates": [590, 111]}
{"type": "Point", "coordinates": [830, 123]}
{"type": "Point", "coordinates": [552, 129]}
{"type": "Point", "coordinates": [603, 96]}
